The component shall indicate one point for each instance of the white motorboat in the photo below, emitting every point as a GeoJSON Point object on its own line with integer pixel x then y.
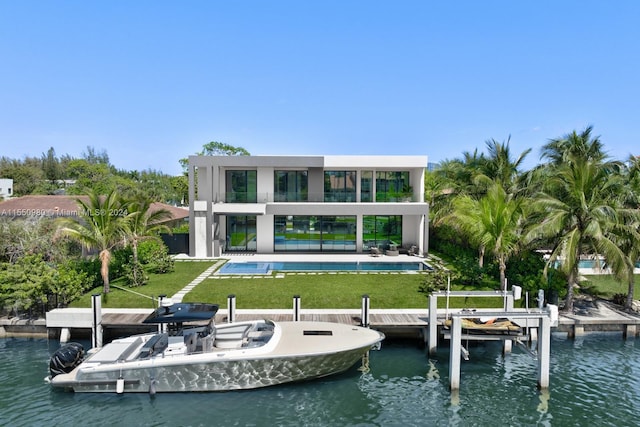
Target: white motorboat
{"type": "Point", "coordinates": [185, 355]}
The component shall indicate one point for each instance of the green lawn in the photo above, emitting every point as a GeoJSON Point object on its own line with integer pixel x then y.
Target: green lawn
{"type": "Point", "coordinates": [321, 290]}
{"type": "Point", "coordinates": [169, 284]}
{"type": "Point", "coordinates": [327, 291]}
{"type": "Point", "coordinates": [315, 290]}
{"type": "Point", "coordinates": [606, 286]}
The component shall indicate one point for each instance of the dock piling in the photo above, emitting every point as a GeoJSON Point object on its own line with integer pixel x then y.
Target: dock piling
{"type": "Point", "coordinates": [433, 325]}
{"type": "Point", "coordinates": [544, 351]}
{"type": "Point", "coordinates": [454, 354]}
{"type": "Point", "coordinates": [364, 316]}
{"type": "Point", "coordinates": [231, 308]}
{"type": "Point", "coordinates": [296, 308]}
{"type": "Point", "coordinates": [96, 321]}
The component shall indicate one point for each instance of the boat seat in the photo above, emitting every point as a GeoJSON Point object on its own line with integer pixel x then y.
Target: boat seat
{"type": "Point", "coordinates": [156, 344]}
{"type": "Point", "coordinates": [191, 341]}
{"type": "Point", "coordinates": [115, 351]}
{"type": "Point", "coordinates": [259, 334]}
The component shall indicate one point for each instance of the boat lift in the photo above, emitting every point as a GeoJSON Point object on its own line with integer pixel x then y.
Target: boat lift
{"type": "Point", "coordinates": [432, 336]}
{"type": "Point", "coordinates": [544, 319]}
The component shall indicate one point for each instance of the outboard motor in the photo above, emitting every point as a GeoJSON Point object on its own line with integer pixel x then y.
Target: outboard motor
{"type": "Point", "coordinates": [66, 358]}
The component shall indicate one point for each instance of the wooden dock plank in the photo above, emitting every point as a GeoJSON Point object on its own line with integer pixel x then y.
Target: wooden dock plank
{"type": "Point", "coordinates": [381, 319]}
{"type": "Point", "coordinates": [123, 319]}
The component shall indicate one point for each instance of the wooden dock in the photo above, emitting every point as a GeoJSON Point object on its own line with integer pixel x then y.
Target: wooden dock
{"type": "Point", "coordinates": [116, 322]}
{"type": "Point", "coordinates": [412, 322]}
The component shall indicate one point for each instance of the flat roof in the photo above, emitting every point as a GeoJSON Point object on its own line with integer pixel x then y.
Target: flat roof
{"type": "Point", "coordinates": [329, 161]}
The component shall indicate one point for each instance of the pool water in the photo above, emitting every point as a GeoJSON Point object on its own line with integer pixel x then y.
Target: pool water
{"type": "Point", "coordinates": [591, 263]}
{"type": "Point", "coordinates": [267, 267]}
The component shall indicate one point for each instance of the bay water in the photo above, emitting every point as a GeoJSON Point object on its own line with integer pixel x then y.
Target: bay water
{"type": "Point", "coordinates": [595, 381]}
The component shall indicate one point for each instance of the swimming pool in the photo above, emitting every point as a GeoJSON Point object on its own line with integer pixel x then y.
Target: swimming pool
{"type": "Point", "coordinates": [267, 267]}
{"type": "Point", "coordinates": [591, 263]}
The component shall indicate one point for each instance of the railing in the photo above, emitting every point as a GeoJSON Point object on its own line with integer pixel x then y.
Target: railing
{"type": "Point", "coordinates": [243, 197]}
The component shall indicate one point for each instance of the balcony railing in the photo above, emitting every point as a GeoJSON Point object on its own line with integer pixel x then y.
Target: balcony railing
{"type": "Point", "coordinates": [240, 197]}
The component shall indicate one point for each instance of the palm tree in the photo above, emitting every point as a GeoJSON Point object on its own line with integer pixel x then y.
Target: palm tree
{"type": "Point", "coordinates": [460, 174]}
{"type": "Point", "coordinates": [494, 222]}
{"type": "Point", "coordinates": [574, 146]}
{"type": "Point", "coordinates": [480, 174]}
{"type": "Point", "coordinates": [144, 223]}
{"type": "Point", "coordinates": [500, 167]}
{"type": "Point", "coordinates": [627, 237]}
{"type": "Point", "coordinates": [626, 231]}
{"type": "Point", "coordinates": [575, 208]}
{"type": "Point", "coordinates": [101, 227]}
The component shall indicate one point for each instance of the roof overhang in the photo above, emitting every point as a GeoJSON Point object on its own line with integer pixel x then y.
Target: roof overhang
{"type": "Point", "coordinates": [240, 208]}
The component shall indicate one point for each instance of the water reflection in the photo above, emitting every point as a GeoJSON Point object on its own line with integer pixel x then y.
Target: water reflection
{"type": "Point", "coordinates": [594, 381]}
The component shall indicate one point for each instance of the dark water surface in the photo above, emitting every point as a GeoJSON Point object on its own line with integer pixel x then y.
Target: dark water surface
{"type": "Point", "coordinates": [595, 381]}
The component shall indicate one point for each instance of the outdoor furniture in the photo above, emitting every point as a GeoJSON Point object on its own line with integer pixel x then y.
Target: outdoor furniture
{"type": "Point", "coordinates": [375, 251]}
{"type": "Point", "coordinates": [392, 251]}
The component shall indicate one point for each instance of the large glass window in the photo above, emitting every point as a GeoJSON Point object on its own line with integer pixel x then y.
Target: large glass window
{"type": "Point", "coordinates": [366, 186]}
{"type": "Point", "coordinates": [241, 233]}
{"type": "Point", "coordinates": [241, 186]}
{"type": "Point", "coordinates": [302, 233]}
{"type": "Point", "coordinates": [392, 186]}
{"type": "Point", "coordinates": [290, 186]}
{"type": "Point", "coordinates": [381, 231]}
{"type": "Point", "coordinates": [340, 186]}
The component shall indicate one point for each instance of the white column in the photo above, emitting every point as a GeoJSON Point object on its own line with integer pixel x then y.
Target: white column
{"type": "Point", "coordinates": [296, 308]}
{"type": "Point", "coordinates": [454, 355]}
{"type": "Point", "coordinates": [364, 315]}
{"type": "Point", "coordinates": [231, 308]}
{"type": "Point", "coordinates": [544, 351]}
{"type": "Point", "coordinates": [433, 324]}
{"type": "Point", "coordinates": [96, 321]}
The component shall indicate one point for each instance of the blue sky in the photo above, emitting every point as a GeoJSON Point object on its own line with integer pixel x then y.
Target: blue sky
{"type": "Point", "coordinates": [152, 81]}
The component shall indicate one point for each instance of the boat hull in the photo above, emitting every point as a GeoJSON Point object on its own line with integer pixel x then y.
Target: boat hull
{"type": "Point", "coordinates": [293, 356]}
{"type": "Point", "coordinates": [219, 375]}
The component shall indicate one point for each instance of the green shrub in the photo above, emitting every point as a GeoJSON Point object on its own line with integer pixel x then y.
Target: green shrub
{"type": "Point", "coordinates": [155, 255]}
{"type": "Point", "coordinates": [435, 281]}
{"type": "Point", "coordinates": [90, 268]}
{"type": "Point", "coordinates": [69, 283]}
{"type": "Point", "coordinates": [469, 271]}
{"type": "Point", "coordinates": [526, 270]}
{"type": "Point", "coordinates": [447, 241]}
{"type": "Point", "coordinates": [119, 259]}
{"type": "Point", "coordinates": [134, 274]}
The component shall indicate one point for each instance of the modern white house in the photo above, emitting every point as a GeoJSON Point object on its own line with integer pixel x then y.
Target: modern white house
{"type": "Point", "coordinates": [306, 204]}
{"type": "Point", "coordinates": [6, 188]}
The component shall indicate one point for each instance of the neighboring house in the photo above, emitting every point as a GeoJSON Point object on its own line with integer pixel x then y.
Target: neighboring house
{"type": "Point", "coordinates": [66, 206]}
{"type": "Point", "coordinates": [336, 204]}
{"type": "Point", "coordinates": [6, 188]}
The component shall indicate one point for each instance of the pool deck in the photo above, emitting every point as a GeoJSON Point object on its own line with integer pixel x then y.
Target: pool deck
{"type": "Point", "coordinates": [297, 257]}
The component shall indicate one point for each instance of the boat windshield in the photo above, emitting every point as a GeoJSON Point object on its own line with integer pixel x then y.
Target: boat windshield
{"type": "Point", "coordinates": [183, 312]}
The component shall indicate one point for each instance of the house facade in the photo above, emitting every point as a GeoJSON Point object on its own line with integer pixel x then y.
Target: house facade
{"type": "Point", "coordinates": [306, 204]}
{"type": "Point", "coordinates": [6, 188]}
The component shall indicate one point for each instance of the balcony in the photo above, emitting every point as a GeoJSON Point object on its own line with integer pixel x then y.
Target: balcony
{"type": "Point", "coordinates": [324, 197]}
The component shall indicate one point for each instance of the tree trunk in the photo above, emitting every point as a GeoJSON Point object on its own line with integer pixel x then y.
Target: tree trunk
{"type": "Point", "coordinates": [134, 249]}
{"type": "Point", "coordinates": [481, 256]}
{"type": "Point", "coordinates": [503, 275]}
{"type": "Point", "coordinates": [105, 258]}
{"type": "Point", "coordinates": [568, 304]}
{"type": "Point", "coordinates": [629, 304]}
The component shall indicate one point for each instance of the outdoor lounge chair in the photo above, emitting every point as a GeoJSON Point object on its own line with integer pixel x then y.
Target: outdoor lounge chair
{"type": "Point", "coordinates": [375, 251]}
